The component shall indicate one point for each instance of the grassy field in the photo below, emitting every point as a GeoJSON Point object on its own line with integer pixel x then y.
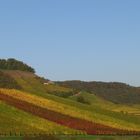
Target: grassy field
{"type": "Point", "coordinates": [75, 138]}
{"type": "Point", "coordinates": [99, 137]}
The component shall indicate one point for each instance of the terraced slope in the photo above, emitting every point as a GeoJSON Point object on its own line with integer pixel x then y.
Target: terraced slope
{"type": "Point", "coordinates": [101, 111]}
{"type": "Point", "coordinates": [53, 111]}
{"type": "Point", "coordinates": [13, 120]}
{"type": "Point", "coordinates": [71, 122]}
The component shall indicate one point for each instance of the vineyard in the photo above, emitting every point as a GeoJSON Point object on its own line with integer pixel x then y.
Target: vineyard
{"type": "Point", "coordinates": [41, 109]}
{"type": "Point", "coordinates": [16, 121]}
{"type": "Point", "coordinates": [37, 108]}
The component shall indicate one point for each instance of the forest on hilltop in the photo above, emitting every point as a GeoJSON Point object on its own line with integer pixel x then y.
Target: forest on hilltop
{"type": "Point", "coordinates": [13, 64]}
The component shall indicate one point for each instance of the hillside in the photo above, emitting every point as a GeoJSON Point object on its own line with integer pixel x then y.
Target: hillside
{"type": "Point", "coordinates": [62, 108]}
{"type": "Point", "coordinates": [118, 93]}
{"type": "Point", "coordinates": [38, 85]}
{"type": "Point", "coordinates": [7, 81]}
{"type": "Point", "coordinates": [72, 116]}
{"type": "Point", "coordinates": [14, 120]}
{"type": "Point", "coordinates": [32, 85]}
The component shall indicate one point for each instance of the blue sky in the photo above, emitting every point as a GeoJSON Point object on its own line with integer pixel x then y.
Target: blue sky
{"type": "Point", "coordinates": [74, 39]}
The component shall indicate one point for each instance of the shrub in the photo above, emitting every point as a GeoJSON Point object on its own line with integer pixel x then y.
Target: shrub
{"type": "Point", "coordinates": [81, 99]}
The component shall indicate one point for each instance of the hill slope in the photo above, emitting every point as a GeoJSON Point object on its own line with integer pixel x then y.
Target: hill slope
{"type": "Point", "coordinates": [17, 121]}
{"type": "Point", "coordinates": [32, 85]}
{"type": "Point", "coordinates": [7, 81]}
{"type": "Point", "coordinates": [118, 93]}
{"type": "Point", "coordinates": [71, 118]}
{"type": "Point", "coordinates": [66, 108]}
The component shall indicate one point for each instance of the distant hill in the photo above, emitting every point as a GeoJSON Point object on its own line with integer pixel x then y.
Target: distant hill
{"type": "Point", "coordinates": [13, 64]}
{"type": "Point", "coordinates": [118, 93]}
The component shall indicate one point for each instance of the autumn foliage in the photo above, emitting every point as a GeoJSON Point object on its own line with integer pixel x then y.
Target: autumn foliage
{"type": "Point", "coordinates": [62, 119]}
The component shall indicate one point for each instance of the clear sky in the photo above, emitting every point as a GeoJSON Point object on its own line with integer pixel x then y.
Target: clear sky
{"type": "Point", "coordinates": [74, 39]}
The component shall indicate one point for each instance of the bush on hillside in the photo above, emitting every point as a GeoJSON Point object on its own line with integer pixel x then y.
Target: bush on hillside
{"type": "Point", "coordinates": [82, 100]}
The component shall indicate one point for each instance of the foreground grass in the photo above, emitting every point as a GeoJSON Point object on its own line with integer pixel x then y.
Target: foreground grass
{"type": "Point", "coordinates": [99, 137]}
{"type": "Point", "coordinates": [73, 138]}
